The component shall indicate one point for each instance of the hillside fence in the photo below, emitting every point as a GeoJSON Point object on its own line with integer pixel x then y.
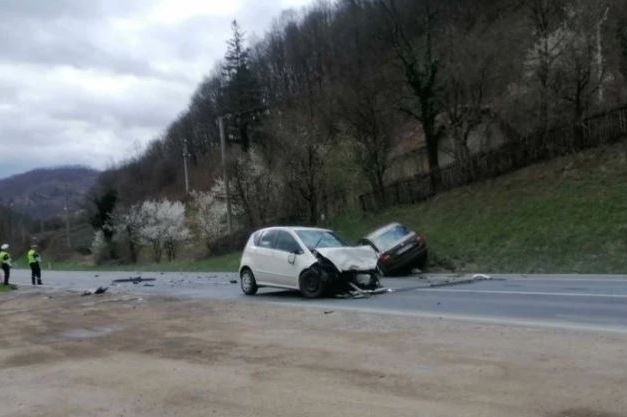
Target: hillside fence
{"type": "Point", "coordinates": [517, 153]}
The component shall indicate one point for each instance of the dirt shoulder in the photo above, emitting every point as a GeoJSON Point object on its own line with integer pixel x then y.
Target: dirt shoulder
{"type": "Point", "coordinates": [66, 355]}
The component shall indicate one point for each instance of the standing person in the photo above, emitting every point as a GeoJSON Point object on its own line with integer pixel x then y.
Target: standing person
{"type": "Point", "coordinates": [33, 259]}
{"type": "Point", "coordinates": [5, 261]}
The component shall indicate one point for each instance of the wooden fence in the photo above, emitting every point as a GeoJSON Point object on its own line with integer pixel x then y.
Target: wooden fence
{"type": "Point", "coordinates": [517, 153]}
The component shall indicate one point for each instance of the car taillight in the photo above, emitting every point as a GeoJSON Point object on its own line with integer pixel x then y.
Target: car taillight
{"type": "Point", "coordinates": [385, 258]}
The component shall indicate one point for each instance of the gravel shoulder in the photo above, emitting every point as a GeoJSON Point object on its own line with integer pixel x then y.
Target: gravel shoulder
{"type": "Point", "coordinates": [122, 355]}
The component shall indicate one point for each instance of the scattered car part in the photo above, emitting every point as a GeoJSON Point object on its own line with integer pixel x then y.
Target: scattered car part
{"type": "Point", "coordinates": [97, 291]}
{"type": "Point", "coordinates": [481, 276]}
{"type": "Point", "coordinates": [133, 280]}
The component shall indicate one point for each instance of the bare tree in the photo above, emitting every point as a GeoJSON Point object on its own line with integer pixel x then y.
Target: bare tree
{"type": "Point", "coordinates": [545, 18]}
{"type": "Point", "coordinates": [422, 71]}
{"type": "Point", "coordinates": [469, 69]}
{"type": "Point", "coordinates": [369, 119]}
{"type": "Point", "coordinates": [579, 70]}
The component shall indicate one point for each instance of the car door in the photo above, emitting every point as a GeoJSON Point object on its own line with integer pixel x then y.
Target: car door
{"type": "Point", "coordinates": [286, 254]}
{"type": "Point", "coordinates": [264, 258]}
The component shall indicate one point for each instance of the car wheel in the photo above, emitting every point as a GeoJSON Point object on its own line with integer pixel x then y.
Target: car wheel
{"type": "Point", "coordinates": [311, 284]}
{"type": "Point", "coordinates": [375, 281]}
{"type": "Point", "coordinates": [248, 282]}
{"type": "Point", "coordinates": [422, 261]}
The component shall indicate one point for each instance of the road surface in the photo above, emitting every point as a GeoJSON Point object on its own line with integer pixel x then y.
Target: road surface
{"type": "Point", "coordinates": [564, 301]}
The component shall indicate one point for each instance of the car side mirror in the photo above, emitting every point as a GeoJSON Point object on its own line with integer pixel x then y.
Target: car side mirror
{"type": "Point", "coordinates": [292, 256]}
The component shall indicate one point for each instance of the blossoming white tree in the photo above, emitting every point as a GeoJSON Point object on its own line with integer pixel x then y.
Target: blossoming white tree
{"type": "Point", "coordinates": [128, 225]}
{"type": "Point", "coordinates": [98, 246]}
{"type": "Point", "coordinates": [164, 227]}
{"type": "Point", "coordinates": [208, 214]}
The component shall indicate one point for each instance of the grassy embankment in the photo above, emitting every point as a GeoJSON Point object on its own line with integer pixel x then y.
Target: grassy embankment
{"type": "Point", "coordinates": [226, 263]}
{"type": "Point", "coordinates": [568, 215]}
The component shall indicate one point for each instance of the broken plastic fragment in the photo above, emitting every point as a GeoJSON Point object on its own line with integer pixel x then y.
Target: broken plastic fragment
{"type": "Point", "coordinates": [481, 276]}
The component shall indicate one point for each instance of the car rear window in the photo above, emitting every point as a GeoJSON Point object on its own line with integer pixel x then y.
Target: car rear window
{"type": "Point", "coordinates": [389, 239]}
{"type": "Point", "coordinates": [320, 239]}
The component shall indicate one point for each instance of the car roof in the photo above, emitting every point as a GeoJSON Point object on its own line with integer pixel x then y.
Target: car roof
{"type": "Point", "coordinates": [293, 228]}
{"type": "Point", "coordinates": [381, 230]}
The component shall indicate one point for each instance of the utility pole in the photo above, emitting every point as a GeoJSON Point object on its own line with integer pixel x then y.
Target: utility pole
{"type": "Point", "coordinates": [185, 156]}
{"type": "Point", "coordinates": [67, 219]}
{"type": "Point", "coordinates": [226, 177]}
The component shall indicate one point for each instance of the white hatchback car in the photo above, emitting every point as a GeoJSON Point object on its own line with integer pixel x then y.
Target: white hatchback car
{"type": "Point", "coordinates": [310, 260]}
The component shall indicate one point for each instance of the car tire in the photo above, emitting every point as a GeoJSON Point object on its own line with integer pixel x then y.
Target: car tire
{"type": "Point", "coordinates": [248, 282]}
{"type": "Point", "coordinates": [311, 283]}
{"type": "Point", "coordinates": [375, 281]}
{"type": "Point", "coordinates": [422, 261]}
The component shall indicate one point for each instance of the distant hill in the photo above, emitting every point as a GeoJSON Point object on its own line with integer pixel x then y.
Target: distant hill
{"type": "Point", "coordinates": [41, 193]}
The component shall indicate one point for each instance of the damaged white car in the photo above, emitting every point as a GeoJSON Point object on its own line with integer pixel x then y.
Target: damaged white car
{"type": "Point", "coordinates": [313, 261]}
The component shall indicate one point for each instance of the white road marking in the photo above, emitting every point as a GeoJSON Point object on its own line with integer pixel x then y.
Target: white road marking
{"type": "Point", "coordinates": [549, 324]}
{"type": "Point", "coordinates": [556, 294]}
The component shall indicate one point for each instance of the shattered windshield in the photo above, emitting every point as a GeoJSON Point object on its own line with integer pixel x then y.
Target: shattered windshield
{"type": "Point", "coordinates": [387, 240]}
{"type": "Point", "coordinates": [320, 239]}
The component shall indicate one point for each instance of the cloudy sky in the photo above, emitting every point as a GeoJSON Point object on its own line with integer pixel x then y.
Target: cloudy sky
{"type": "Point", "coordinates": [92, 81]}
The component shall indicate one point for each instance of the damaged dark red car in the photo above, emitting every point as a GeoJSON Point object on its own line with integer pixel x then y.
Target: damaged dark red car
{"type": "Point", "coordinates": [399, 248]}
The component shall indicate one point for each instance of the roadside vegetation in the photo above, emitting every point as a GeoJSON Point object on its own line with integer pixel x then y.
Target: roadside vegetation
{"type": "Point", "coordinates": [6, 288]}
{"type": "Point", "coordinates": [222, 263]}
{"type": "Point", "coordinates": [568, 215]}
{"type": "Point", "coordinates": [564, 216]}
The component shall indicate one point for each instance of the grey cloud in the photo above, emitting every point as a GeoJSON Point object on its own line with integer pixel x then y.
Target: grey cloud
{"type": "Point", "coordinates": [77, 86]}
{"type": "Point", "coordinates": [47, 10]}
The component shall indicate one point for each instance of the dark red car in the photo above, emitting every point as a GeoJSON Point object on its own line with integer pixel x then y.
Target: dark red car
{"type": "Point", "coordinates": [399, 248]}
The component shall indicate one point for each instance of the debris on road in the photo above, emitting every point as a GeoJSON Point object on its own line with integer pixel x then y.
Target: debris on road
{"type": "Point", "coordinates": [447, 282]}
{"type": "Point", "coordinates": [97, 291]}
{"type": "Point", "coordinates": [481, 276]}
{"type": "Point", "coordinates": [233, 281]}
{"type": "Point", "coordinates": [357, 292]}
{"type": "Point", "coordinates": [133, 280]}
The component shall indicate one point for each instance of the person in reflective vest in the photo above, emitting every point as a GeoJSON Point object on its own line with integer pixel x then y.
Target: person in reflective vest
{"type": "Point", "coordinates": [5, 262]}
{"type": "Point", "coordinates": [33, 259]}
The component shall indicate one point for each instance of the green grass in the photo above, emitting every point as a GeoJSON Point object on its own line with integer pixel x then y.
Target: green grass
{"type": "Point", "coordinates": [6, 288]}
{"type": "Point", "coordinates": [568, 215]}
{"type": "Point", "coordinates": [225, 263]}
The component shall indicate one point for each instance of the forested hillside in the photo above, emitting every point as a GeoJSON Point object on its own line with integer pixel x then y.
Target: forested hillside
{"type": "Point", "coordinates": [315, 109]}
{"type": "Point", "coordinates": [44, 193]}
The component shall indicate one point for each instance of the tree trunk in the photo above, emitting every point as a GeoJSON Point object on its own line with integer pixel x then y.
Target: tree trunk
{"type": "Point", "coordinates": [156, 251]}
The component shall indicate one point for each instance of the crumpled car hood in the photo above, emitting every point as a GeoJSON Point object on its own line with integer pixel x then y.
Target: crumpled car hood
{"type": "Point", "coordinates": [357, 258]}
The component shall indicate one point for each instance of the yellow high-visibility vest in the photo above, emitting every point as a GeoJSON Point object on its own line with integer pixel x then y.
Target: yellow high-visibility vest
{"type": "Point", "coordinates": [32, 256]}
{"type": "Point", "coordinates": [5, 258]}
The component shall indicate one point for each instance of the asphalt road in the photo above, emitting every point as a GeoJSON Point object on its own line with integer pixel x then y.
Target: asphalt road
{"type": "Point", "coordinates": [560, 301]}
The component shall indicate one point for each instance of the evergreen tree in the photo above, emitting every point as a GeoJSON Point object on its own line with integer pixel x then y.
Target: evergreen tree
{"type": "Point", "coordinates": [242, 90]}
